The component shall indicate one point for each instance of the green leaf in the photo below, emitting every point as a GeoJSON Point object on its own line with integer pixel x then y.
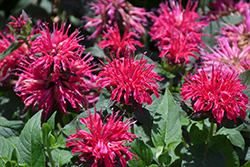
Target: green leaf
{"type": "Point", "coordinates": [46, 131]}
{"type": "Point", "coordinates": [198, 136]}
{"type": "Point", "coordinates": [140, 149]}
{"type": "Point", "coordinates": [13, 46]}
{"type": "Point", "coordinates": [164, 158]}
{"type": "Point", "coordinates": [6, 149]}
{"type": "Point", "coordinates": [10, 128]}
{"type": "Point", "coordinates": [60, 142]}
{"type": "Point", "coordinates": [95, 51]}
{"type": "Point", "coordinates": [61, 156]}
{"type": "Point", "coordinates": [30, 144]}
{"type": "Point", "coordinates": [246, 164]}
{"type": "Point", "coordinates": [234, 136]}
{"type": "Point", "coordinates": [166, 124]}
{"type": "Point", "coordinates": [246, 80]}
{"type": "Point", "coordinates": [220, 143]}
{"type": "Point", "coordinates": [143, 116]}
{"type": "Point", "coordinates": [51, 121]}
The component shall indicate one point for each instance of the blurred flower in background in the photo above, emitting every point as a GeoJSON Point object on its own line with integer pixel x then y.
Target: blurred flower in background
{"type": "Point", "coordinates": [108, 12]}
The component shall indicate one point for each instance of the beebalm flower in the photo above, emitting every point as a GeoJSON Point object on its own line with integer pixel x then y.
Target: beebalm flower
{"type": "Point", "coordinates": [117, 44]}
{"type": "Point", "coordinates": [231, 56]}
{"type": "Point", "coordinates": [56, 50]}
{"type": "Point", "coordinates": [175, 17]}
{"type": "Point", "coordinates": [239, 32]}
{"type": "Point", "coordinates": [37, 87]}
{"type": "Point", "coordinates": [110, 11]}
{"type": "Point", "coordinates": [177, 49]}
{"type": "Point", "coordinates": [219, 93]}
{"type": "Point", "coordinates": [129, 80]}
{"type": "Point", "coordinates": [105, 143]}
{"type": "Point", "coordinates": [224, 8]}
{"type": "Point", "coordinates": [17, 24]}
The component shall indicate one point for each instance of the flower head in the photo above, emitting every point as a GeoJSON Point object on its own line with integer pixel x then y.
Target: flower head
{"type": "Point", "coordinates": [177, 49]}
{"type": "Point", "coordinates": [224, 8]}
{"type": "Point", "coordinates": [105, 142]}
{"type": "Point", "coordinates": [36, 86]}
{"type": "Point", "coordinates": [129, 78]}
{"type": "Point", "coordinates": [117, 44]}
{"type": "Point", "coordinates": [110, 11]}
{"type": "Point", "coordinates": [219, 93]}
{"type": "Point", "coordinates": [56, 50]}
{"type": "Point", "coordinates": [184, 20]}
{"type": "Point", "coordinates": [231, 56]}
{"type": "Point", "coordinates": [18, 23]}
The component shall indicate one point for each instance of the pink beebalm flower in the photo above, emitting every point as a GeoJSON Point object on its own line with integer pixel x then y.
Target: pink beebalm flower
{"type": "Point", "coordinates": [18, 23]}
{"type": "Point", "coordinates": [224, 8]}
{"type": "Point", "coordinates": [129, 80]}
{"type": "Point", "coordinates": [117, 44]}
{"type": "Point", "coordinates": [177, 49]}
{"type": "Point", "coordinates": [231, 56]}
{"type": "Point", "coordinates": [56, 50]}
{"type": "Point", "coordinates": [104, 143]}
{"type": "Point", "coordinates": [175, 17]}
{"type": "Point", "coordinates": [219, 93]}
{"type": "Point", "coordinates": [239, 32]}
{"type": "Point", "coordinates": [37, 87]}
{"type": "Point", "coordinates": [110, 11]}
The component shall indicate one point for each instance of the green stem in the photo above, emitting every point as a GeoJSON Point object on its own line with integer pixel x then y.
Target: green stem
{"type": "Point", "coordinates": [133, 129]}
{"type": "Point", "coordinates": [211, 131]}
{"type": "Point", "coordinates": [50, 157]}
{"type": "Point", "coordinates": [171, 80]}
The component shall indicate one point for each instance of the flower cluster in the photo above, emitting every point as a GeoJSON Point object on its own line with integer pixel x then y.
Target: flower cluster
{"type": "Point", "coordinates": [219, 93]}
{"type": "Point", "coordinates": [129, 80]}
{"type": "Point", "coordinates": [55, 74]}
{"type": "Point", "coordinates": [173, 25]}
{"type": "Point", "coordinates": [117, 44]}
{"type": "Point", "coordinates": [111, 11]}
{"type": "Point", "coordinates": [104, 143]}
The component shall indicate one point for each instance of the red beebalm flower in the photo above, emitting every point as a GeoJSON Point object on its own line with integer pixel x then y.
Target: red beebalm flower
{"type": "Point", "coordinates": [129, 78]}
{"type": "Point", "coordinates": [219, 93]}
{"type": "Point", "coordinates": [110, 11]}
{"type": "Point", "coordinates": [56, 50]}
{"type": "Point", "coordinates": [117, 44]}
{"type": "Point", "coordinates": [37, 87]}
{"type": "Point", "coordinates": [105, 142]}
{"type": "Point", "coordinates": [175, 17]}
{"type": "Point", "coordinates": [177, 49]}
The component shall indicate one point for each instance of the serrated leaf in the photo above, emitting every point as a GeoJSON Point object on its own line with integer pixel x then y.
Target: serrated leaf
{"type": "Point", "coordinates": [140, 149]}
{"type": "Point", "coordinates": [30, 144]}
{"type": "Point", "coordinates": [10, 128]}
{"type": "Point", "coordinates": [60, 142]}
{"type": "Point", "coordinates": [166, 124]}
{"type": "Point", "coordinates": [234, 136]}
{"type": "Point", "coordinates": [61, 156]}
{"type": "Point", "coordinates": [13, 46]}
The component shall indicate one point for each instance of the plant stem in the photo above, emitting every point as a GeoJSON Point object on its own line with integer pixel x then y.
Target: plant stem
{"type": "Point", "coordinates": [211, 131]}
{"type": "Point", "coordinates": [50, 156]}
{"type": "Point", "coordinates": [171, 80]}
